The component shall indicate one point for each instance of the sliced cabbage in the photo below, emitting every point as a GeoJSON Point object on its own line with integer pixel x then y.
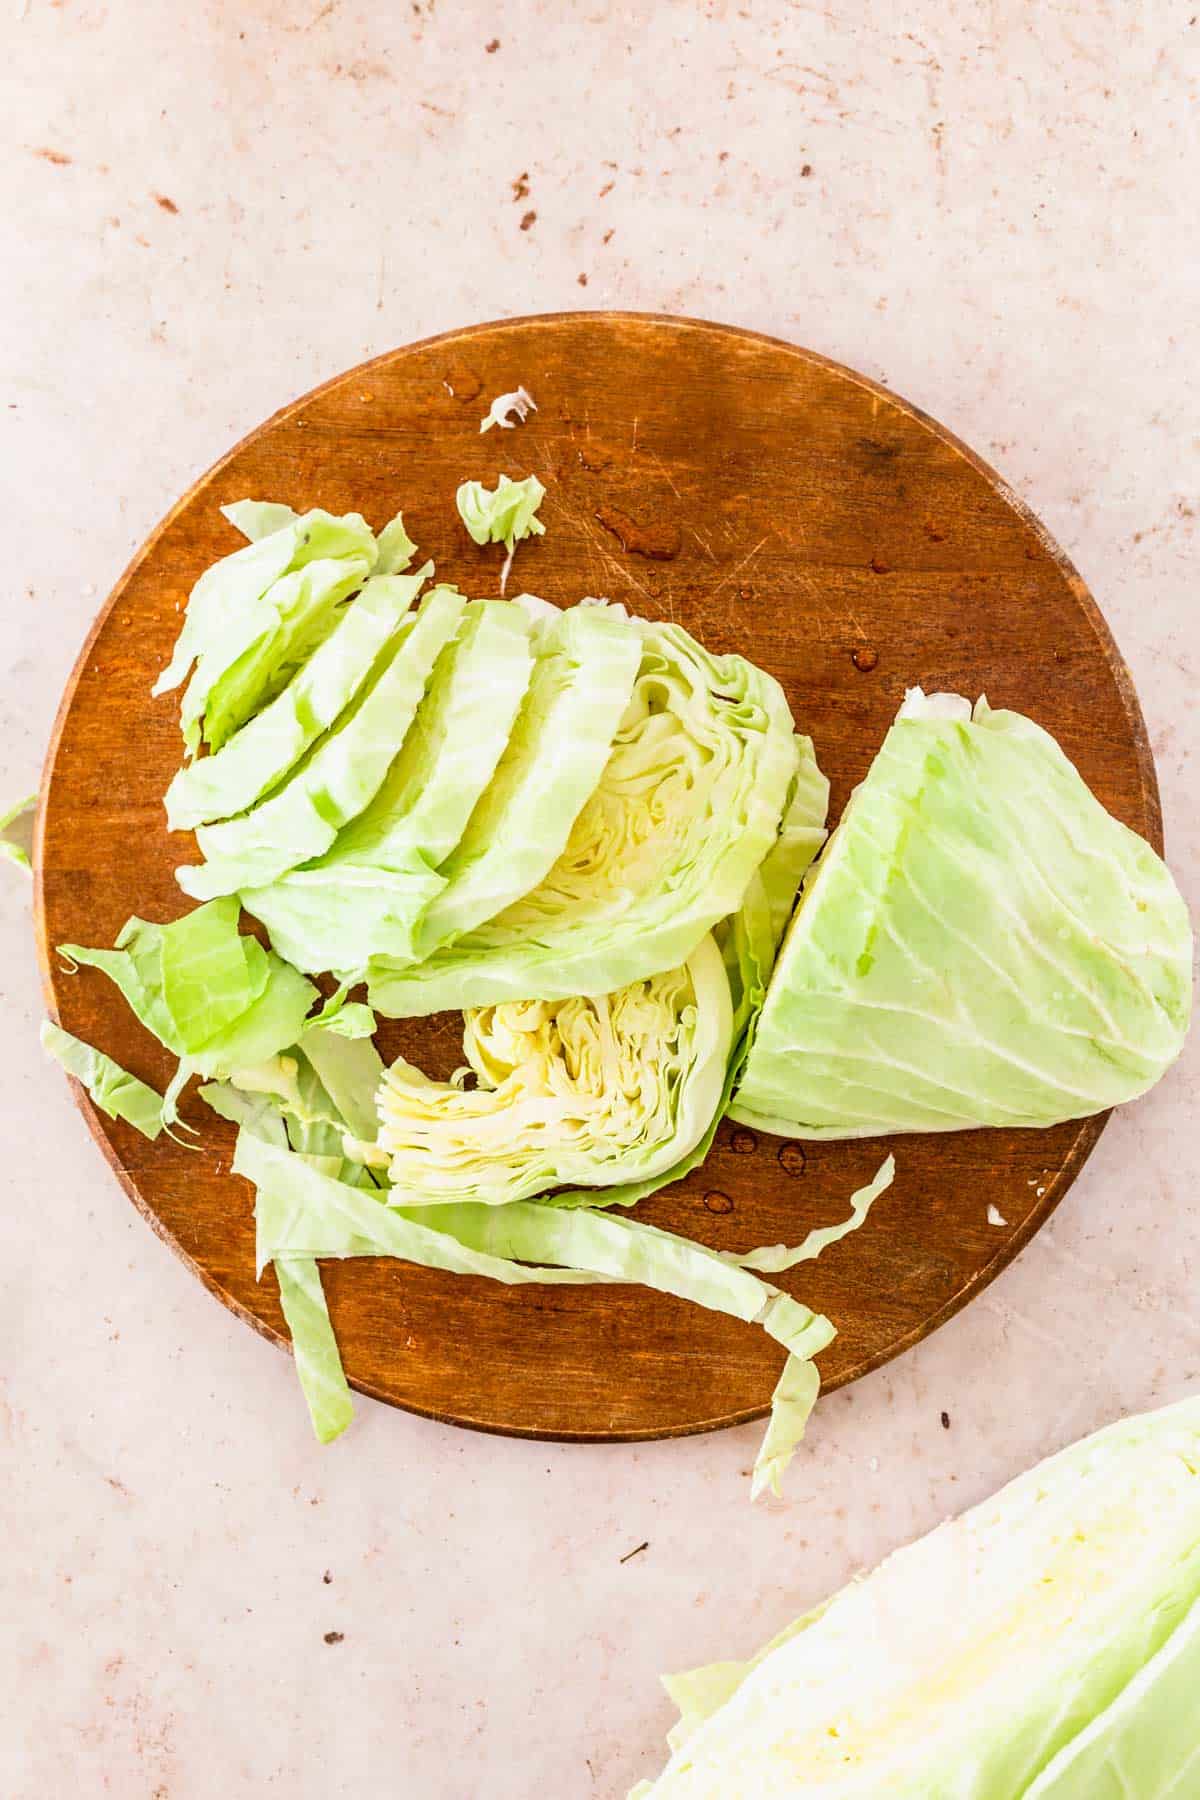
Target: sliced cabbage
{"type": "Point", "coordinates": [343, 772]}
{"type": "Point", "coordinates": [269, 745]}
{"type": "Point", "coordinates": [1046, 1644]}
{"type": "Point", "coordinates": [583, 674]}
{"type": "Point", "coordinates": [254, 617]}
{"type": "Point", "coordinates": [687, 806]}
{"type": "Point", "coordinates": [113, 1089]}
{"type": "Point", "coordinates": [502, 515]}
{"type": "Point", "coordinates": [366, 895]}
{"type": "Point", "coordinates": [580, 1090]}
{"type": "Point", "coordinates": [979, 944]}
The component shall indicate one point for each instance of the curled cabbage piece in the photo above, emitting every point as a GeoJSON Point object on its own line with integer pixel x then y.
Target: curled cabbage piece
{"type": "Point", "coordinates": [980, 943]}
{"type": "Point", "coordinates": [593, 1090]}
{"type": "Point", "coordinates": [503, 406]}
{"type": "Point", "coordinates": [687, 807]}
{"type": "Point", "coordinates": [1061, 1617]}
{"type": "Point", "coordinates": [270, 744]}
{"type": "Point", "coordinates": [502, 515]}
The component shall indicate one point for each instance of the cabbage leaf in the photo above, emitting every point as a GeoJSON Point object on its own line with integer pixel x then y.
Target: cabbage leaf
{"type": "Point", "coordinates": [672, 830]}
{"type": "Point", "coordinates": [113, 1089]}
{"type": "Point", "coordinates": [580, 1090]}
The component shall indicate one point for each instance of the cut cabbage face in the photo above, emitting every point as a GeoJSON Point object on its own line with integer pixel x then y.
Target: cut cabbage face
{"type": "Point", "coordinates": [368, 893]}
{"type": "Point", "coordinates": [580, 1090]}
{"type": "Point", "coordinates": [1045, 1644]}
{"type": "Point", "coordinates": [344, 770]}
{"type": "Point", "coordinates": [980, 943]}
{"type": "Point", "coordinates": [686, 807]}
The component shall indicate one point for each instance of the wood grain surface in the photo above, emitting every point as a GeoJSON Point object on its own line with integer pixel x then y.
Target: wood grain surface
{"type": "Point", "coordinates": [775, 504]}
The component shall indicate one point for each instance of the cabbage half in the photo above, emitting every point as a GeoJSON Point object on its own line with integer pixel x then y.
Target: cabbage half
{"type": "Point", "coordinates": [254, 617]}
{"type": "Point", "coordinates": [343, 771]}
{"type": "Point", "coordinates": [979, 944]}
{"type": "Point", "coordinates": [1046, 1644]}
{"type": "Point", "coordinates": [687, 806]}
{"type": "Point", "coordinates": [367, 893]}
{"type": "Point", "coordinates": [582, 1090]}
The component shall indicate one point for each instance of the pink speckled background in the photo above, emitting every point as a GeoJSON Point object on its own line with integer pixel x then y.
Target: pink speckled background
{"type": "Point", "coordinates": [207, 209]}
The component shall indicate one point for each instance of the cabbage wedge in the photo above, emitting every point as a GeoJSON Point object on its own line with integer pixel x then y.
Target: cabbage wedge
{"type": "Point", "coordinates": [980, 943]}
{"type": "Point", "coordinates": [344, 771]}
{"type": "Point", "coordinates": [1044, 1645]}
{"type": "Point", "coordinates": [367, 894]}
{"type": "Point", "coordinates": [583, 1090]}
{"type": "Point", "coordinates": [675, 824]}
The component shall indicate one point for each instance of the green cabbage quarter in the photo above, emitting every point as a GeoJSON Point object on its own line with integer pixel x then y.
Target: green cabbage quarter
{"type": "Point", "coordinates": [980, 943]}
{"type": "Point", "coordinates": [1045, 1645]}
{"type": "Point", "coordinates": [685, 808]}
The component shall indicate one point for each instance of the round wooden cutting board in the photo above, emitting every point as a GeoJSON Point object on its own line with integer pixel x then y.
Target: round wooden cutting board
{"type": "Point", "coordinates": [775, 504]}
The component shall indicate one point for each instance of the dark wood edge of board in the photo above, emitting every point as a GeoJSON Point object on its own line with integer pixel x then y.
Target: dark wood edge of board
{"type": "Point", "coordinates": [1090, 1129]}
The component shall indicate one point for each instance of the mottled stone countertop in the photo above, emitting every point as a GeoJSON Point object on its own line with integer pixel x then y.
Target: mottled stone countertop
{"type": "Point", "coordinates": [207, 210]}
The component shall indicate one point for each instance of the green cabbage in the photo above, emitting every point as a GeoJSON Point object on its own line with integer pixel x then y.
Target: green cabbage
{"type": "Point", "coordinates": [365, 896]}
{"type": "Point", "coordinates": [579, 1090]}
{"type": "Point", "coordinates": [11, 848]}
{"type": "Point", "coordinates": [583, 674]}
{"type": "Point", "coordinates": [688, 804]}
{"type": "Point", "coordinates": [112, 1088]}
{"type": "Point", "coordinates": [504, 514]}
{"type": "Point", "coordinates": [269, 745]}
{"type": "Point", "coordinates": [254, 617]}
{"type": "Point", "coordinates": [343, 771]}
{"type": "Point", "coordinates": [979, 944]}
{"type": "Point", "coordinates": [1046, 1644]}
{"type": "Point", "coordinates": [318, 1362]}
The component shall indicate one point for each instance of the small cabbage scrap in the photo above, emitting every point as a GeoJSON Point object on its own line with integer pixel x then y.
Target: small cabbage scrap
{"type": "Point", "coordinates": [686, 807]}
{"type": "Point", "coordinates": [1045, 1644]}
{"type": "Point", "coordinates": [503, 406]}
{"type": "Point", "coordinates": [580, 1090]}
{"type": "Point", "coordinates": [269, 745]}
{"type": "Point", "coordinates": [214, 998]}
{"type": "Point", "coordinates": [113, 1089]}
{"type": "Point", "coordinates": [980, 943]}
{"type": "Point", "coordinates": [9, 847]}
{"type": "Point", "coordinates": [254, 617]}
{"type": "Point", "coordinates": [301, 819]}
{"type": "Point", "coordinates": [368, 893]}
{"type": "Point", "coordinates": [501, 515]}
